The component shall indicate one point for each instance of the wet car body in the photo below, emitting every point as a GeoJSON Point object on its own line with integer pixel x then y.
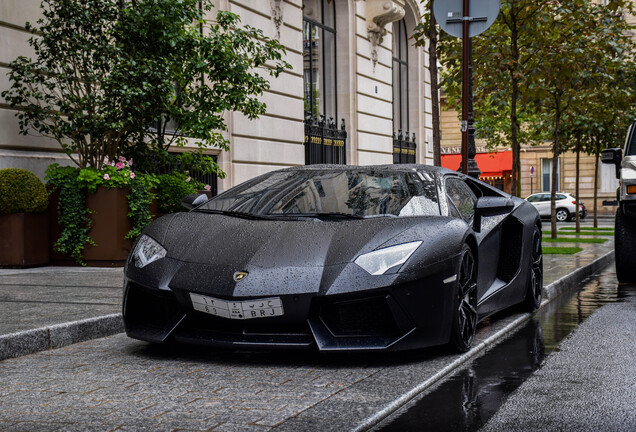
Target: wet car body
{"type": "Point", "coordinates": [311, 272]}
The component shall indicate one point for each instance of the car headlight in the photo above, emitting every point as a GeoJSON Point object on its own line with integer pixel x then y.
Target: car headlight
{"type": "Point", "coordinates": [147, 250]}
{"type": "Point", "coordinates": [381, 260]}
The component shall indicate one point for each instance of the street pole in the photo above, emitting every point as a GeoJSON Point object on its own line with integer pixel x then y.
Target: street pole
{"type": "Point", "coordinates": [473, 169]}
{"type": "Point", "coordinates": [463, 25]}
{"type": "Point", "coordinates": [465, 77]}
{"type": "Point", "coordinates": [469, 165]}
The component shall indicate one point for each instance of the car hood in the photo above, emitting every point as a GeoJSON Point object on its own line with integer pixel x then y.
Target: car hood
{"type": "Point", "coordinates": [283, 257]}
{"type": "Point", "coordinates": [226, 240]}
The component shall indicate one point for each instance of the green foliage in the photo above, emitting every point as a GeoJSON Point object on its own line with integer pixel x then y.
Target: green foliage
{"type": "Point", "coordinates": [115, 77]}
{"type": "Point", "coordinates": [21, 191]}
{"type": "Point", "coordinates": [67, 92]}
{"type": "Point", "coordinates": [139, 201]}
{"type": "Point", "coordinates": [172, 188]}
{"type": "Point", "coordinates": [72, 214]}
{"type": "Point", "coordinates": [186, 72]}
{"type": "Point", "coordinates": [544, 70]}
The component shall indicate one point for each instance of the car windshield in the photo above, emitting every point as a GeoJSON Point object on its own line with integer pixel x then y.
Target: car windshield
{"type": "Point", "coordinates": [333, 193]}
{"type": "Point", "coordinates": [630, 149]}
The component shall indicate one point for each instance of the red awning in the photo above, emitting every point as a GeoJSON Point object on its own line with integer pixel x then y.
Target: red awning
{"type": "Point", "coordinates": [490, 164]}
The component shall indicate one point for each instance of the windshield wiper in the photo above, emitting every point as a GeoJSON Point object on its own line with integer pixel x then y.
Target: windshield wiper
{"type": "Point", "coordinates": [234, 214]}
{"type": "Point", "coordinates": [334, 215]}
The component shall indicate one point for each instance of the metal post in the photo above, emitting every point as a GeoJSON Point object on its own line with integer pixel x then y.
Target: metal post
{"type": "Point", "coordinates": [473, 169]}
{"type": "Point", "coordinates": [465, 78]}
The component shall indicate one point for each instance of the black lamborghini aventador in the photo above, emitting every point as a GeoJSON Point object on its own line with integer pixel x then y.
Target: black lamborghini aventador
{"type": "Point", "coordinates": [335, 258]}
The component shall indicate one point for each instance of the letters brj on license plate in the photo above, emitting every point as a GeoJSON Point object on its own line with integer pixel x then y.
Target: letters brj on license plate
{"type": "Point", "coordinates": [247, 309]}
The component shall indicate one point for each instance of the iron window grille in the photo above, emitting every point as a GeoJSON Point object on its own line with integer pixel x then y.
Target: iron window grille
{"type": "Point", "coordinates": [404, 145]}
{"type": "Point", "coordinates": [324, 141]}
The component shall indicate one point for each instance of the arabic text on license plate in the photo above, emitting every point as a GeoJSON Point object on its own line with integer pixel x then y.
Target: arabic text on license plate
{"type": "Point", "coordinates": [261, 308]}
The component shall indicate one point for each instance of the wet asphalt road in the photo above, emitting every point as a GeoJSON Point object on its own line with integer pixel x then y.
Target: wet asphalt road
{"type": "Point", "coordinates": [587, 384]}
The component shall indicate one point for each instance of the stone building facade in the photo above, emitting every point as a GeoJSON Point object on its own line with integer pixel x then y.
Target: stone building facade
{"type": "Point", "coordinates": [358, 92]}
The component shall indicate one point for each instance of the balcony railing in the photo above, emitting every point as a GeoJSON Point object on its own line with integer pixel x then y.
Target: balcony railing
{"type": "Point", "coordinates": [324, 142]}
{"type": "Point", "coordinates": [404, 148]}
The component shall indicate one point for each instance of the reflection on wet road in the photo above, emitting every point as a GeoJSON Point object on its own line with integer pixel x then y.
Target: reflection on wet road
{"type": "Point", "coordinates": [468, 399]}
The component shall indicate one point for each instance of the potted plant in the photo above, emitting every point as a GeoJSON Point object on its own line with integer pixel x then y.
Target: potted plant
{"type": "Point", "coordinates": [24, 228]}
{"type": "Point", "coordinates": [95, 214]}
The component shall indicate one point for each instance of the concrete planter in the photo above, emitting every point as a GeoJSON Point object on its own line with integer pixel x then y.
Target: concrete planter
{"type": "Point", "coordinates": [24, 239]}
{"type": "Point", "coordinates": [110, 224]}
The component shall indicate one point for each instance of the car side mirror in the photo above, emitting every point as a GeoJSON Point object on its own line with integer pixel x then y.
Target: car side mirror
{"type": "Point", "coordinates": [613, 156]}
{"type": "Point", "coordinates": [491, 206]}
{"type": "Point", "coordinates": [193, 200]}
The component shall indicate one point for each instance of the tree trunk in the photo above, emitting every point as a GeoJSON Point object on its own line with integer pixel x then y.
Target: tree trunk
{"type": "Point", "coordinates": [578, 176]}
{"type": "Point", "coordinates": [432, 67]}
{"type": "Point", "coordinates": [515, 184]}
{"type": "Point", "coordinates": [514, 124]}
{"type": "Point", "coordinates": [596, 158]}
{"type": "Point", "coordinates": [555, 164]}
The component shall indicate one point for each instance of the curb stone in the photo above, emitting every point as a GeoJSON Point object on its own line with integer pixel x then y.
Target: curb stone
{"type": "Point", "coordinates": [59, 335]}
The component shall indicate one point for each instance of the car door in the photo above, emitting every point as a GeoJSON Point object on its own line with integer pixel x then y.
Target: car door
{"type": "Point", "coordinates": [543, 205]}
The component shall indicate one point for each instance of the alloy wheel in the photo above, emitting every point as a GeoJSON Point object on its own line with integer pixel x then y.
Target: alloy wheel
{"type": "Point", "coordinates": [467, 300]}
{"type": "Point", "coordinates": [537, 268]}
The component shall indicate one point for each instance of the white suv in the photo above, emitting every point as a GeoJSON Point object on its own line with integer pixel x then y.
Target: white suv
{"type": "Point", "coordinates": [565, 205]}
{"type": "Point", "coordinates": [625, 227]}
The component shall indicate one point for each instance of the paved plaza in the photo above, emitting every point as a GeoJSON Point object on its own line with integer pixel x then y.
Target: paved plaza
{"type": "Point", "coordinates": [117, 383]}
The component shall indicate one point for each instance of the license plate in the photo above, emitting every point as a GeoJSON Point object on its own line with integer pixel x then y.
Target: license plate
{"type": "Point", "coordinates": [248, 309]}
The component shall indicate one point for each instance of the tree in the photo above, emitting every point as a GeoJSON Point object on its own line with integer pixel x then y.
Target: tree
{"type": "Point", "coordinates": [186, 73]}
{"type": "Point", "coordinates": [111, 77]}
{"type": "Point", "coordinates": [501, 56]}
{"type": "Point", "coordinates": [66, 93]}
{"type": "Point", "coordinates": [427, 33]}
{"type": "Point", "coordinates": [572, 52]}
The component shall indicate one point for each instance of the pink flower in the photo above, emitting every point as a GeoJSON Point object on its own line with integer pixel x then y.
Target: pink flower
{"type": "Point", "coordinates": [207, 187]}
{"type": "Point", "coordinates": [106, 177]}
{"type": "Point", "coordinates": [132, 174]}
{"type": "Point", "coordinates": [130, 162]}
{"type": "Point", "coordinates": [119, 165]}
{"type": "Point", "coordinates": [122, 159]}
{"type": "Point", "coordinates": [188, 179]}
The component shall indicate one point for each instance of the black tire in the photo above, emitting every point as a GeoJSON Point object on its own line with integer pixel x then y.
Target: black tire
{"type": "Point", "coordinates": [624, 247]}
{"type": "Point", "coordinates": [562, 215]}
{"type": "Point", "coordinates": [465, 304]}
{"type": "Point", "coordinates": [535, 279]}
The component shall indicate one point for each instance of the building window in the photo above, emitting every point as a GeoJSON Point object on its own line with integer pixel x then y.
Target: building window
{"type": "Point", "coordinates": [546, 175]}
{"type": "Point", "coordinates": [324, 140]}
{"type": "Point", "coordinates": [403, 141]}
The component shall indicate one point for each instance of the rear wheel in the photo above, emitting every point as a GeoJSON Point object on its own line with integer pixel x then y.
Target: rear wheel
{"type": "Point", "coordinates": [465, 318]}
{"type": "Point", "coordinates": [562, 215]}
{"type": "Point", "coordinates": [624, 246]}
{"type": "Point", "coordinates": [535, 281]}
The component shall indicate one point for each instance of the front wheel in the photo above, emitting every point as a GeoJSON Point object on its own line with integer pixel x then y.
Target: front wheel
{"type": "Point", "coordinates": [535, 280]}
{"type": "Point", "coordinates": [465, 315]}
{"type": "Point", "coordinates": [624, 247]}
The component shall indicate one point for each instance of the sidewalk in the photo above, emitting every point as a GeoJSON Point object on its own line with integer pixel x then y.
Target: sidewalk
{"type": "Point", "coordinates": [51, 307]}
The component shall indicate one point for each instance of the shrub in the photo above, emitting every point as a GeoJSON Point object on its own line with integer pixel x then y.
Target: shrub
{"type": "Point", "coordinates": [172, 188]}
{"type": "Point", "coordinates": [21, 191]}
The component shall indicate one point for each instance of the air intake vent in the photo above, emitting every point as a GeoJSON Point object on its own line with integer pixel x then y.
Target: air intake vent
{"type": "Point", "coordinates": [510, 257]}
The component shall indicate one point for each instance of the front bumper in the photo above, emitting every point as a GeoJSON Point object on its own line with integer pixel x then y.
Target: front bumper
{"type": "Point", "coordinates": [406, 316]}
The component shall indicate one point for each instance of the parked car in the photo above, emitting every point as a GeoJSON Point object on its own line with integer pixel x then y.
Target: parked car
{"type": "Point", "coordinates": [625, 222]}
{"type": "Point", "coordinates": [565, 205]}
{"type": "Point", "coordinates": [335, 258]}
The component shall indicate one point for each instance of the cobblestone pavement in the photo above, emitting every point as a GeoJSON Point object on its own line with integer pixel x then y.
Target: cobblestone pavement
{"type": "Point", "coordinates": [117, 383]}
